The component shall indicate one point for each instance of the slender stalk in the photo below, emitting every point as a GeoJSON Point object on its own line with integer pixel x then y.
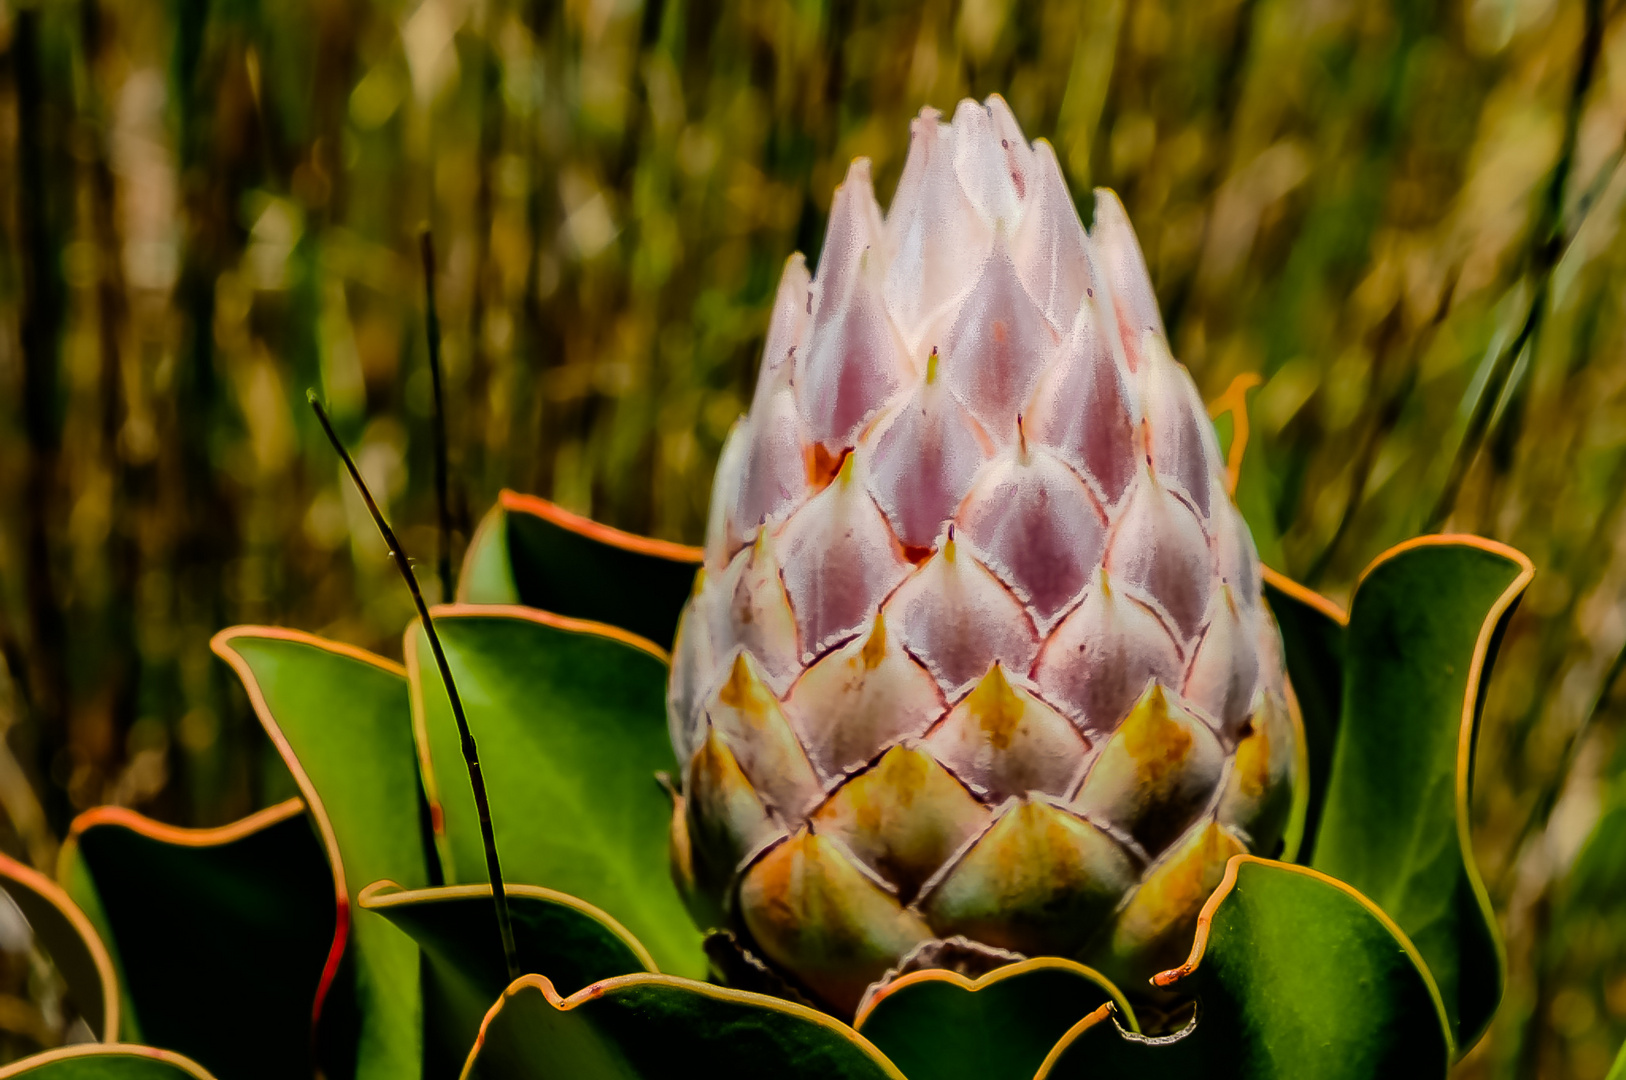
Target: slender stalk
{"type": "Point", "coordinates": [471, 756]}
{"type": "Point", "coordinates": [443, 561]}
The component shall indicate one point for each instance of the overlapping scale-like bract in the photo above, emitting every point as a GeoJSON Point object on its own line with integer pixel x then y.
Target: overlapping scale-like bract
{"type": "Point", "coordinates": [979, 648]}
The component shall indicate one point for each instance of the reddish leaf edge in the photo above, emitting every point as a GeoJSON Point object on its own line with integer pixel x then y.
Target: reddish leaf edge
{"type": "Point", "coordinates": [223, 646]}
{"type": "Point", "coordinates": [142, 825]}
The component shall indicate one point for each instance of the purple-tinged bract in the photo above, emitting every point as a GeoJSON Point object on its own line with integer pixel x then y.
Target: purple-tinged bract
{"type": "Point", "coordinates": [978, 650]}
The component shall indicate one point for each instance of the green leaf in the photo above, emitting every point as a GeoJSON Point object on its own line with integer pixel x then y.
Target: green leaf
{"type": "Point", "coordinates": [570, 719]}
{"type": "Point", "coordinates": [559, 936]}
{"type": "Point", "coordinates": [656, 1026]}
{"type": "Point", "coordinates": [529, 551]}
{"type": "Point", "coordinates": [71, 941]}
{"type": "Point", "coordinates": [1617, 1071]}
{"type": "Point", "coordinates": [939, 1025]}
{"type": "Point", "coordinates": [1296, 975]}
{"type": "Point", "coordinates": [225, 938]}
{"type": "Point", "coordinates": [1422, 634]}
{"type": "Point", "coordinates": [1313, 646]}
{"type": "Point", "coordinates": [106, 1062]}
{"type": "Point", "coordinates": [342, 720]}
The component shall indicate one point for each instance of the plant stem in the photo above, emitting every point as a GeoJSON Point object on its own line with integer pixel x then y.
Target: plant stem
{"type": "Point", "coordinates": [471, 756]}
{"type": "Point", "coordinates": [443, 561]}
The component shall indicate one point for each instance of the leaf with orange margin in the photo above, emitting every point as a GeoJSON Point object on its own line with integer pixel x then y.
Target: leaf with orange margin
{"type": "Point", "coordinates": [225, 938]}
{"type": "Point", "coordinates": [1296, 975]}
{"type": "Point", "coordinates": [569, 941]}
{"type": "Point", "coordinates": [1423, 628]}
{"type": "Point", "coordinates": [1313, 647]}
{"type": "Point", "coordinates": [530, 551]}
{"type": "Point", "coordinates": [71, 941]}
{"type": "Point", "coordinates": [1247, 474]}
{"type": "Point", "coordinates": [643, 1027]}
{"type": "Point", "coordinates": [570, 719]}
{"type": "Point", "coordinates": [342, 720]}
{"type": "Point", "coordinates": [940, 1025]}
{"type": "Point", "coordinates": [93, 1061]}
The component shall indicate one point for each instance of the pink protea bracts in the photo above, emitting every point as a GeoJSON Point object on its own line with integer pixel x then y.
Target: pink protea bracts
{"type": "Point", "coordinates": [979, 649]}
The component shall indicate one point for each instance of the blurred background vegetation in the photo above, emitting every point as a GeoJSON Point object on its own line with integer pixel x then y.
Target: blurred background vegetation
{"type": "Point", "coordinates": [1403, 216]}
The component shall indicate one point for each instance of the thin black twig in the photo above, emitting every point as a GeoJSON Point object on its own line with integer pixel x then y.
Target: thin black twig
{"type": "Point", "coordinates": [471, 756]}
{"type": "Point", "coordinates": [443, 560]}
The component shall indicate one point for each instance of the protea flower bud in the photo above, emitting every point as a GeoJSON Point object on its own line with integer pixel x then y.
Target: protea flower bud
{"type": "Point", "coordinates": [978, 650]}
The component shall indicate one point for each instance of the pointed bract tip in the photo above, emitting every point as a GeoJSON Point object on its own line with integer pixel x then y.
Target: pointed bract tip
{"type": "Point", "coordinates": [1106, 198]}
{"type": "Point", "coordinates": [844, 474]}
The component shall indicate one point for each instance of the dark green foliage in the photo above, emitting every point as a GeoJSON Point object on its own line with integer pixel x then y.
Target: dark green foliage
{"type": "Point", "coordinates": [463, 975]}
{"type": "Point", "coordinates": [1402, 216]}
{"type": "Point", "coordinates": [942, 1027]}
{"type": "Point", "coordinates": [529, 552]}
{"type": "Point", "coordinates": [343, 723]}
{"type": "Point", "coordinates": [221, 939]}
{"type": "Point", "coordinates": [649, 1026]}
{"type": "Point", "coordinates": [1313, 646]}
{"type": "Point", "coordinates": [572, 728]}
{"type": "Point", "coordinates": [1268, 1008]}
{"type": "Point", "coordinates": [1422, 634]}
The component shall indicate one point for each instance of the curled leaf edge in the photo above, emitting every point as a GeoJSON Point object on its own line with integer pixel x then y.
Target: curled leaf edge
{"type": "Point", "coordinates": [1199, 946]}
{"type": "Point", "coordinates": [721, 993]}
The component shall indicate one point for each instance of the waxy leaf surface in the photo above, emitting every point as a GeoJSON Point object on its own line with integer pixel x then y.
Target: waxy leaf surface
{"type": "Point", "coordinates": [570, 720]}
{"type": "Point", "coordinates": [570, 942]}
{"type": "Point", "coordinates": [224, 938]}
{"type": "Point", "coordinates": [529, 551]}
{"type": "Point", "coordinates": [1423, 627]}
{"type": "Point", "coordinates": [342, 720]}
{"type": "Point", "coordinates": [938, 1025]}
{"type": "Point", "coordinates": [71, 941]}
{"type": "Point", "coordinates": [106, 1062]}
{"type": "Point", "coordinates": [643, 1027]}
{"type": "Point", "coordinates": [1296, 975]}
